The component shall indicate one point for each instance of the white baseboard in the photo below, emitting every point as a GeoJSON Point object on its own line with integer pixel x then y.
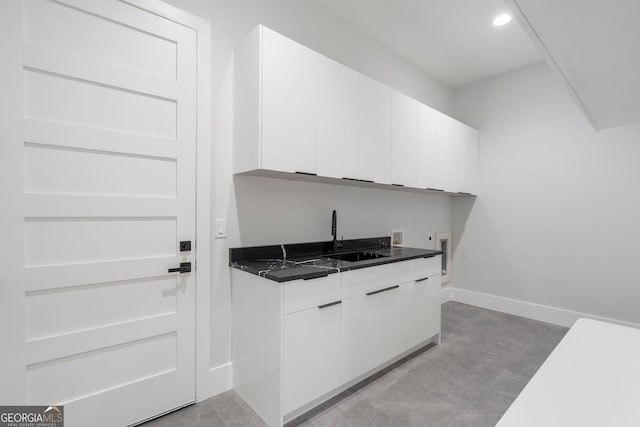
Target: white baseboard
{"type": "Point", "coordinates": [543, 313]}
{"type": "Point", "coordinates": [445, 294]}
{"type": "Point", "coordinates": [218, 380]}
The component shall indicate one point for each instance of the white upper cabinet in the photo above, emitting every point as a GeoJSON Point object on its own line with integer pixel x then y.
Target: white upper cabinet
{"type": "Point", "coordinates": [456, 156]}
{"type": "Point", "coordinates": [371, 151]}
{"type": "Point", "coordinates": [289, 83]}
{"type": "Point", "coordinates": [404, 140]}
{"type": "Point", "coordinates": [426, 177]}
{"type": "Point", "coordinates": [296, 111]}
{"type": "Point", "coordinates": [337, 106]}
{"type": "Point", "coordinates": [444, 138]}
{"type": "Point", "coordinates": [274, 104]}
{"type": "Point", "coordinates": [464, 159]}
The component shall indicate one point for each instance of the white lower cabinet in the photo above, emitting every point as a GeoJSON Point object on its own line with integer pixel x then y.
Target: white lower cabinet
{"type": "Point", "coordinates": [371, 331]}
{"type": "Point", "coordinates": [300, 342]}
{"type": "Point", "coordinates": [311, 355]}
{"type": "Point", "coordinates": [421, 313]}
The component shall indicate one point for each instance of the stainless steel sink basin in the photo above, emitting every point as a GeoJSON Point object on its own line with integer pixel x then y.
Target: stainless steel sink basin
{"type": "Point", "coordinates": [356, 256]}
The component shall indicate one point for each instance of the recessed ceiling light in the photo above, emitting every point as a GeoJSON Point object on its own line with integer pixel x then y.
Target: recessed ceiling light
{"type": "Point", "coordinates": [502, 19]}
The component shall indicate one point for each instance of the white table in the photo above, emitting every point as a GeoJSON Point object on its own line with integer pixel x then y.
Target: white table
{"type": "Point", "coordinates": [592, 378]}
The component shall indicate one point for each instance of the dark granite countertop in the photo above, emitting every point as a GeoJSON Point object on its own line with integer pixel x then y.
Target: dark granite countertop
{"type": "Point", "coordinates": [314, 259]}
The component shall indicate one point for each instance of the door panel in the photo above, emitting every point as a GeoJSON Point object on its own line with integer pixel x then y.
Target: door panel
{"type": "Point", "coordinates": [54, 170]}
{"type": "Point", "coordinates": [311, 351]}
{"type": "Point", "coordinates": [444, 137]}
{"type": "Point", "coordinates": [99, 37]}
{"type": "Point", "coordinates": [71, 378]}
{"type": "Point", "coordinates": [289, 85]}
{"type": "Point", "coordinates": [372, 332]}
{"type": "Point", "coordinates": [421, 309]}
{"type": "Point", "coordinates": [372, 143]}
{"type": "Point", "coordinates": [337, 104]}
{"type": "Point", "coordinates": [426, 147]}
{"type": "Point", "coordinates": [404, 140]}
{"type": "Point", "coordinates": [78, 308]}
{"type": "Point", "coordinates": [52, 98]}
{"type": "Point", "coordinates": [109, 191]}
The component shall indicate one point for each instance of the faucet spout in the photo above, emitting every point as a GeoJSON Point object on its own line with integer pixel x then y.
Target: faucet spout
{"type": "Point", "coordinates": [334, 230]}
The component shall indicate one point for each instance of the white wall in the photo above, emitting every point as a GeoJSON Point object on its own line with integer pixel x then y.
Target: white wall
{"type": "Point", "coordinates": [557, 217]}
{"type": "Point", "coordinates": [267, 211]}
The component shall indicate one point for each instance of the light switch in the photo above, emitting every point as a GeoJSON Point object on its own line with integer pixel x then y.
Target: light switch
{"type": "Point", "coordinates": [220, 229]}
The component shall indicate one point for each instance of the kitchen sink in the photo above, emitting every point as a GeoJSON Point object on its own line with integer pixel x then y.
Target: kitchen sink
{"type": "Point", "coordinates": [356, 256]}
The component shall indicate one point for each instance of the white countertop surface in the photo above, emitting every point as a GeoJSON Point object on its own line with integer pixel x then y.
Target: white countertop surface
{"type": "Point", "coordinates": [592, 378]}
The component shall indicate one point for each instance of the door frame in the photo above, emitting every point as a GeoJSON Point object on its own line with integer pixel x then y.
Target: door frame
{"type": "Point", "coordinates": [12, 297]}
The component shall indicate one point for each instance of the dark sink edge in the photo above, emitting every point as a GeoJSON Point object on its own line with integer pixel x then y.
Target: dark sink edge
{"type": "Point", "coordinates": [422, 253]}
{"type": "Point", "coordinates": [308, 249]}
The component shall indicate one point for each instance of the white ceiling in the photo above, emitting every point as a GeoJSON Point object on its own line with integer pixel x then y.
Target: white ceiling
{"type": "Point", "coordinates": [595, 46]}
{"type": "Point", "coordinates": [452, 40]}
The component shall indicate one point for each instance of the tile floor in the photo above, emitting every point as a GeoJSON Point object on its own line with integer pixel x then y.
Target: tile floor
{"type": "Point", "coordinates": [485, 359]}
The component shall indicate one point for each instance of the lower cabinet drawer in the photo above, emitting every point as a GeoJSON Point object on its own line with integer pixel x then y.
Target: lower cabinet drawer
{"type": "Point", "coordinates": [361, 281]}
{"type": "Point", "coordinates": [311, 355]}
{"type": "Point", "coordinates": [427, 267]}
{"type": "Point", "coordinates": [303, 294]}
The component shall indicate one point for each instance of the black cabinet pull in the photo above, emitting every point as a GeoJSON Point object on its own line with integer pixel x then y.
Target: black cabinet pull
{"type": "Point", "coordinates": [422, 280]}
{"type": "Point", "coordinates": [185, 267]}
{"type": "Point", "coordinates": [330, 304]}
{"type": "Point", "coordinates": [383, 290]}
{"type": "Point", "coordinates": [434, 189]}
{"type": "Point", "coordinates": [397, 185]}
{"type": "Point", "coordinates": [306, 173]}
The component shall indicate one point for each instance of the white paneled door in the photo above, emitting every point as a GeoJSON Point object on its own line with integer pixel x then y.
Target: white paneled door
{"type": "Point", "coordinates": [109, 131]}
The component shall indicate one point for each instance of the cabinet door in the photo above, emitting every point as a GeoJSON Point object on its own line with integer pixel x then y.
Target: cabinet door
{"type": "Point", "coordinates": [464, 159]}
{"type": "Point", "coordinates": [444, 136]}
{"type": "Point", "coordinates": [311, 355]}
{"type": "Point", "coordinates": [371, 332]}
{"type": "Point", "coordinates": [337, 103]}
{"type": "Point", "coordinates": [370, 156]}
{"type": "Point", "coordinates": [421, 302]}
{"type": "Point", "coordinates": [426, 147]}
{"type": "Point", "coordinates": [404, 140]}
{"type": "Point", "coordinates": [288, 105]}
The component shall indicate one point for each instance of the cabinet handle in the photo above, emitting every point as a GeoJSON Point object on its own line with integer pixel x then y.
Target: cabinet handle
{"type": "Point", "coordinates": [383, 290]}
{"type": "Point", "coordinates": [422, 280]}
{"type": "Point", "coordinates": [434, 189]}
{"type": "Point", "coordinates": [330, 304]}
{"type": "Point", "coordinates": [306, 173]}
{"type": "Point", "coordinates": [398, 185]}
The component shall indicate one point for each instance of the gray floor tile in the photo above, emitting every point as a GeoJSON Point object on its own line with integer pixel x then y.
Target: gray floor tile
{"type": "Point", "coordinates": [210, 419]}
{"type": "Point", "coordinates": [231, 408]}
{"type": "Point", "coordinates": [485, 359]}
{"type": "Point", "coordinates": [329, 415]}
{"type": "Point", "coordinates": [363, 414]}
{"type": "Point", "coordinates": [509, 383]}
